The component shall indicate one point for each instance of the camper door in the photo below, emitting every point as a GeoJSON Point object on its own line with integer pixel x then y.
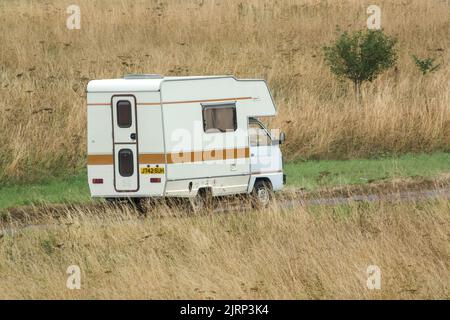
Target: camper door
{"type": "Point", "coordinates": [126, 177]}
{"type": "Point", "coordinates": [263, 154]}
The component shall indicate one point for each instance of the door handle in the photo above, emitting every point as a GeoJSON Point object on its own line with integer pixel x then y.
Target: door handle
{"type": "Point", "coordinates": [133, 136]}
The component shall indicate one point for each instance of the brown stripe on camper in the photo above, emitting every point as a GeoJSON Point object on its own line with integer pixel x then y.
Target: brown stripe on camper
{"type": "Point", "coordinates": [151, 158]}
{"type": "Point", "coordinates": [265, 172]}
{"type": "Point", "coordinates": [100, 159]}
{"type": "Point", "coordinates": [180, 157]}
{"type": "Point", "coordinates": [192, 101]}
{"type": "Point", "coordinates": [176, 102]}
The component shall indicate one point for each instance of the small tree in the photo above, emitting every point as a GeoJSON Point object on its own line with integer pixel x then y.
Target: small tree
{"type": "Point", "coordinates": [361, 56]}
{"type": "Point", "coordinates": [426, 65]}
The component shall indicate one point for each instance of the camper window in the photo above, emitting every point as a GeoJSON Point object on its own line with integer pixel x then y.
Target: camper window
{"type": "Point", "coordinates": [123, 114]}
{"type": "Point", "coordinates": [219, 118]}
{"type": "Point", "coordinates": [126, 167]}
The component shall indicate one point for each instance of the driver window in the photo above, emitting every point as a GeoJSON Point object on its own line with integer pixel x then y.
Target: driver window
{"type": "Point", "coordinates": [258, 136]}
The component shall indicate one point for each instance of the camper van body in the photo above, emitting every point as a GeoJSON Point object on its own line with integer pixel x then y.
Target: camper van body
{"type": "Point", "coordinates": [148, 137]}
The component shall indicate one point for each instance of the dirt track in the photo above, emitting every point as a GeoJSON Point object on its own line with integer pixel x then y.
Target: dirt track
{"type": "Point", "coordinates": [411, 190]}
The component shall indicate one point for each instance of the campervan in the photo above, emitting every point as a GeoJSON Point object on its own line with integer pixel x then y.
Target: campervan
{"type": "Point", "coordinates": [153, 136]}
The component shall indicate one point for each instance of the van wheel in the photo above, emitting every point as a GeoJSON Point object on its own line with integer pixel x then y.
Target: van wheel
{"type": "Point", "coordinates": [261, 194]}
{"type": "Point", "coordinates": [139, 205]}
{"type": "Point", "coordinates": [202, 202]}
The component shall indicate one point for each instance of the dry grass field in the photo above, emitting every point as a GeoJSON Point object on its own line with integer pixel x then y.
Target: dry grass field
{"type": "Point", "coordinates": [44, 69]}
{"type": "Point", "coordinates": [306, 253]}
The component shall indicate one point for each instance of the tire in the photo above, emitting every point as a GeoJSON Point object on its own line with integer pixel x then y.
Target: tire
{"type": "Point", "coordinates": [262, 194]}
{"type": "Point", "coordinates": [202, 202]}
{"type": "Point", "coordinates": [139, 205]}
{"type": "Point", "coordinates": [111, 201]}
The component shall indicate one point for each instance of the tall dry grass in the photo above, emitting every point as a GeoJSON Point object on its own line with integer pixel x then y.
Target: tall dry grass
{"type": "Point", "coordinates": [44, 69]}
{"type": "Point", "coordinates": [306, 253]}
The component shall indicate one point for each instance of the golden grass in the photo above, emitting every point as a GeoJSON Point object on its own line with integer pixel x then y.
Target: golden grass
{"type": "Point", "coordinates": [44, 69]}
{"type": "Point", "coordinates": [306, 253]}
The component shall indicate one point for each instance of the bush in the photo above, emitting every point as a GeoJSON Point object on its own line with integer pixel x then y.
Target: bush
{"type": "Point", "coordinates": [425, 65]}
{"type": "Point", "coordinates": [361, 56]}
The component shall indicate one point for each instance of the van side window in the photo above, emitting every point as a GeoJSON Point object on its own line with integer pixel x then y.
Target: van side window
{"type": "Point", "coordinates": [126, 165]}
{"type": "Point", "coordinates": [124, 118]}
{"type": "Point", "coordinates": [219, 118]}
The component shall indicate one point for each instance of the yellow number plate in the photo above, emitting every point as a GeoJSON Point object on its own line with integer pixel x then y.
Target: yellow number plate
{"type": "Point", "coordinates": [159, 170]}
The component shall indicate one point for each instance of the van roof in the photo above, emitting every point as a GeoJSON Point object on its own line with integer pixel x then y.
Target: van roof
{"type": "Point", "coordinates": [138, 83]}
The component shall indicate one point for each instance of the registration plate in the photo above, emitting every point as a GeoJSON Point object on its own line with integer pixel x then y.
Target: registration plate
{"type": "Point", "coordinates": [159, 170]}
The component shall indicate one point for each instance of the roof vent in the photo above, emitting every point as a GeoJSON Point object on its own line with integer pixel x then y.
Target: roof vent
{"type": "Point", "coordinates": [143, 76]}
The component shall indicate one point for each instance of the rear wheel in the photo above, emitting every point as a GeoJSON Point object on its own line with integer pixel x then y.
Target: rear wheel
{"type": "Point", "coordinates": [202, 202]}
{"type": "Point", "coordinates": [139, 205]}
{"type": "Point", "coordinates": [262, 193]}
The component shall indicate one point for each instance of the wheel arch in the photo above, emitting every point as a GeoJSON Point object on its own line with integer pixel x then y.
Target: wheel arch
{"type": "Point", "coordinates": [264, 179]}
{"type": "Point", "coordinates": [203, 191]}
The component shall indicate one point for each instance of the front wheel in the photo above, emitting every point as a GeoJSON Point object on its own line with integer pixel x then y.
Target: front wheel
{"type": "Point", "coordinates": [262, 194]}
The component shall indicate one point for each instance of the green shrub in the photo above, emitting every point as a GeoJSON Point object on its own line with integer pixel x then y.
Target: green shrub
{"type": "Point", "coordinates": [426, 65]}
{"type": "Point", "coordinates": [361, 56]}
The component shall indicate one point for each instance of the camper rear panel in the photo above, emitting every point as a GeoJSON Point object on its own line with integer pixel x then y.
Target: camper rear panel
{"type": "Point", "coordinates": [125, 144]}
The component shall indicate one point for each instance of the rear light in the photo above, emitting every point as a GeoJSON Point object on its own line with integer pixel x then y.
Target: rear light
{"type": "Point", "coordinates": [97, 181]}
{"type": "Point", "coordinates": [155, 180]}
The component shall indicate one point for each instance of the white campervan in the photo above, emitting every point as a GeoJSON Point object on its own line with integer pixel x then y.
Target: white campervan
{"type": "Point", "coordinates": [154, 136]}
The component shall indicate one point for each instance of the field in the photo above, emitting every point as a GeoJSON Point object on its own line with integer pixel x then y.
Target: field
{"type": "Point", "coordinates": [44, 69]}
{"type": "Point", "coordinates": [398, 136]}
{"type": "Point", "coordinates": [306, 253]}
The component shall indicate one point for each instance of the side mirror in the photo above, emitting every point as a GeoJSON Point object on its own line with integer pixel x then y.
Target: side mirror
{"type": "Point", "coordinates": [282, 137]}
